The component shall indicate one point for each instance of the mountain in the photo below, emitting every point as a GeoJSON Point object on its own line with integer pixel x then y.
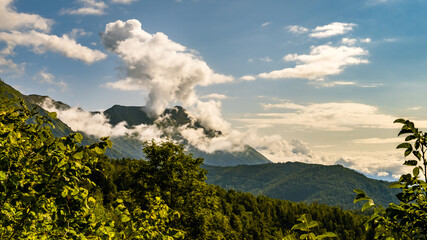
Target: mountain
{"type": "Point", "coordinates": [130, 147]}
{"type": "Point", "coordinates": [177, 117]}
{"type": "Point", "coordinates": [6, 91]}
{"type": "Point", "coordinates": [300, 182]}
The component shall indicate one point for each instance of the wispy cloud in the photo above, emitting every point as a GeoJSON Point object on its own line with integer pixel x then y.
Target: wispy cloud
{"type": "Point", "coordinates": [322, 61]}
{"type": "Point", "coordinates": [48, 78]}
{"type": "Point", "coordinates": [333, 116]}
{"type": "Point", "coordinates": [266, 59]}
{"type": "Point", "coordinates": [332, 29]}
{"type": "Point", "coordinates": [215, 96]}
{"type": "Point", "coordinates": [123, 1]}
{"type": "Point", "coordinates": [265, 24]}
{"type": "Point", "coordinates": [88, 7]}
{"type": "Point", "coordinates": [297, 29]}
{"type": "Point", "coordinates": [377, 140]}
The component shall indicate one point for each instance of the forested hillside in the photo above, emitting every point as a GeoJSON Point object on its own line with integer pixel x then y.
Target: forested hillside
{"type": "Point", "coordinates": [300, 182]}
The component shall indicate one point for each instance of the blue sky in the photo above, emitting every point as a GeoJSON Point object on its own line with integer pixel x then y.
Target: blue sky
{"type": "Point", "coordinates": [323, 80]}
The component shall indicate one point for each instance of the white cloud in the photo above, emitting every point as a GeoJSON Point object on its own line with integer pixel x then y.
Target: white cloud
{"type": "Point", "coordinates": [215, 96]}
{"type": "Point", "coordinates": [365, 40]}
{"type": "Point", "coordinates": [266, 59]}
{"type": "Point", "coordinates": [123, 1]}
{"type": "Point", "coordinates": [327, 117]}
{"type": "Point", "coordinates": [48, 78]}
{"type": "Point", "coordinates": [77, 32]}
{"type": "Point", "coordinates": [265, 24]}
{"type": "Point", "coordinates": [7, 65]}
{"type": "Point", "coordinates": [10, 19]}
{"type": "Point", "coordinates": [415, 108]}
{"type": "Point", "coordinates": [373, 85]}
{"type": "Point", "coordinates": [42, 42]}
{"type": "Point", "coordinates": [378, 140]}
{"type": "Point", "coordinates": [98, 124]}
{"type": "Point", "coordinates": [337, 83]}
{"type": "Point", "coordinates": [297, 29]}
{"type": "Point", "coordinates": [332, 29]}
{"type": "Point", "coordinates": [168, 71]}
{"type": "Point", "coordinates": [372, 163]}
{"type": "Point", "coordinates": [322, 61]}
{"type": "Point", "coordinates": [275, 148]}
{"type": "Point", "coordinates": [283, 105]}
{"type": "Point", "coordinates": [349, 41]}
{"type": "Point", "coordinates": [31, 31]}
{"type": "Point", "coordinates": [247, 78]}
{"type": "Point", "coordinates": [89, 7]}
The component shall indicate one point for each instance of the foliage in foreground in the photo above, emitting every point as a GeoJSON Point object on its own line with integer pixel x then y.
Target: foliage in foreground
{"type": "Point", "coordinates": [408, 219]}
{"type": "Point", "coordinates": [45, 185]}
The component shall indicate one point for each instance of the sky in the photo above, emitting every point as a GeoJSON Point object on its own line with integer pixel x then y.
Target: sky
{"type": "Point", "coordinates": [311, 81]}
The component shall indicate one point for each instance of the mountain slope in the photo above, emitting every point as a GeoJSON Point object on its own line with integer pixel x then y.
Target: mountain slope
{"type": "Point", "coordinates": [176, 117]}
{"type": "Point", "coordinates": [300, 182]}
{"type": "Point", "coordinates": [129, 147]}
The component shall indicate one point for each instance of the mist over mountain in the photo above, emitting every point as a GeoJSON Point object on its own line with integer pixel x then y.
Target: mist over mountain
{"type": "Point", "coordinates": [129, 126]}
{"type": "Point", "coordinates": [171, 120]}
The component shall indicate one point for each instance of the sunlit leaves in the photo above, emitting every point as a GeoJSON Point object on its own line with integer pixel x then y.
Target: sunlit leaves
{"type": "Point", "coordinates": [306, 226]}
{"type": "Point", "coordinates": [43, 178]}
{"type": "Point", "coordinates": [408, 219]}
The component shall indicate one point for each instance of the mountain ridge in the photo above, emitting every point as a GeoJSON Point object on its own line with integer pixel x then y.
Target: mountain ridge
{"type": "Point", "coordinates": [301, 182]}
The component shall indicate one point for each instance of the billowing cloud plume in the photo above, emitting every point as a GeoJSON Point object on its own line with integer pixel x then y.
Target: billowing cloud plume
{"type": "Point", "coordinates": [332, 29]}
{"type": "Point", "coordinates": [42, 42]}
{"type": "Point", "coordinates": [154, 63]}
{"type": "Point", "coordinates": [89, 7]}
{"type": "Point", "coordinates": [322, 61]}
{"type": "Point", "coordinates": [10, 19]}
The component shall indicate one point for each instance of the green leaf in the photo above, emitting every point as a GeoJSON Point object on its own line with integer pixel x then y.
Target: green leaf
{"type": "Point", "coordinates": [396, 185]}
{"type": "Point", "coordinates": [404, 145]}
{"type": "Point", "coordinates": [64, 192]}
{"type": "Point", "coordinates": [416, 172]}
{"type": "Point", "coordinates": [368, 205]}
{"type": "Point", "coordinates": [408, 151]}
{"type": "Point", "coordinates": [124, 218]}
{"type": "Point", "coordinates": [400, 120]}
{"type": "Point", "coordinates": [78, 155]}
{"type": "Point", "coordinates": [410, 137]}
{"type": "Point", "coordinates": [404, 131]}
{"type": "Point", "coordinates": [77, 137]}
{"type": "Point", "coordinates": [411, 163]}
{"type": "Point", "coordinates": [289, 237]}
{"type": "Point", "coordinates": [3, 176]}
{"type": "Point", "coordinates": [52, 115]}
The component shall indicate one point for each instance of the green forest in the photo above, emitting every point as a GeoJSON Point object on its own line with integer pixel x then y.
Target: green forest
{"type": "Point", "coordinates": [57, 188]}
